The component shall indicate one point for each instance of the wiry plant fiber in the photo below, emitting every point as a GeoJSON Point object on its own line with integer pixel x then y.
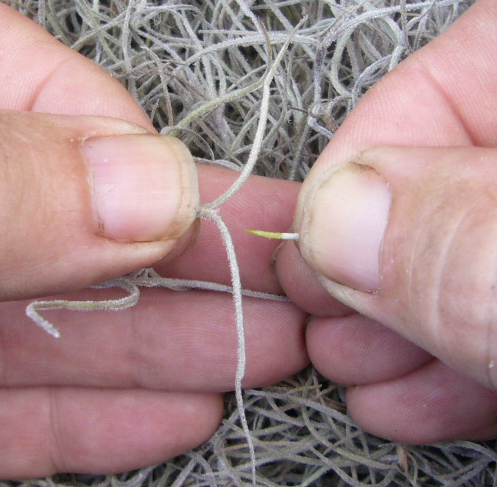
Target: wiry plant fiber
{"type": "Point", "coordinates": [197, 67]}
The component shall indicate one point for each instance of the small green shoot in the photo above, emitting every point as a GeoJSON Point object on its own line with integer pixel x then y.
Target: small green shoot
{"type": "Point", "coordinates": [274, 235]}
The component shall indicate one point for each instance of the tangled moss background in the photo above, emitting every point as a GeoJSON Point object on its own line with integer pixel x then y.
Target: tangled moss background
{"type": "Point", "coordinates": [195, 67]}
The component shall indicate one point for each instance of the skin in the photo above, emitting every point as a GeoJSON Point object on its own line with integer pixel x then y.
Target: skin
{"type": "Point", "coordinates": [126, 408]}
{"type": "Point", "coordinates": [443, 95]}
{"type": "Point", "coordinates": [107, 396]}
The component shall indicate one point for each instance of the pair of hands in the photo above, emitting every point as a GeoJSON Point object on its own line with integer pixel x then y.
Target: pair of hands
{"type": "Point", "coordinates": [133, 388]}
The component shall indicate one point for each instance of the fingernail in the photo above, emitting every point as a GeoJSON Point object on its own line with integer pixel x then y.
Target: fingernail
{"type": "Point", "coordinates": [144, 187]}
{"type": "Point", "coordinates": [344, 220]}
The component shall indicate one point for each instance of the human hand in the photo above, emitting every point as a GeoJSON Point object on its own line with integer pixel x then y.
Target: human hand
{"type": "Point", "coordinates": [406, 237]}
{"type": "Point", "coordinates": [120, 390]}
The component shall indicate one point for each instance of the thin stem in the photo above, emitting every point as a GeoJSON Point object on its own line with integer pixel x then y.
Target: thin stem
{"type": "Point", "coordinates": [274, 235]}
{"type": "Point", "coordinates": [33, 308]}
{"type": "Point", "coordinates": [240, 328]}
{"type": "Point", "coordinates": [261, 127]}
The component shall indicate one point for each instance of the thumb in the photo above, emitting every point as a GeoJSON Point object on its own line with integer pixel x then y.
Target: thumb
{"type": "Point", "coordinates": [84, 199]}
{"type": "Point", "coordinates": [407, 236]}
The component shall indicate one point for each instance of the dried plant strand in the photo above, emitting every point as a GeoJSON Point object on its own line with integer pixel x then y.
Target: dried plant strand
{"type": "Point", "coordinates": [214, 216]}
{"type": "Point", "coordinates": [150, 278]}
{"type": "Point", "coordinates": [261, 127]}
{"type": "Point", "coordinates": [147, 277]}
{"type": "Point", "coordinates": [33, 309]}
{"type": "Point", "coordinates": [208, 211]}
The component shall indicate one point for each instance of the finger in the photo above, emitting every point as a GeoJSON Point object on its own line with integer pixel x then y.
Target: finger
{"type": "Point", "coordinates": [50, 430]}
{"type": "Point", "coordinates": [92, 198]}
{"type": "Point", "coordinates": [432, 404]}
{"type": "Point", "coordinates": [57, 79]}
{"type": "Point", "coordinates": [356, 350]}
{"type": "Point", "coordinates": [178, 341]}
{"type": "Point", "coordinates": [407, 237]}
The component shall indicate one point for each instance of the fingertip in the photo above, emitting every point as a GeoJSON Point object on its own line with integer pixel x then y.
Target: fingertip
{"type": "Point", "coordinates": [355, 350]}
{"type": "Point", "coordinates": [432, 404]}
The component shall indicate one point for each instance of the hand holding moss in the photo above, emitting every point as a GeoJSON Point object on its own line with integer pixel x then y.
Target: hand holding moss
{"type": "Point", "coordinates": [91, 192]}
{"type": "Point", "coordinates": [405, 236]}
